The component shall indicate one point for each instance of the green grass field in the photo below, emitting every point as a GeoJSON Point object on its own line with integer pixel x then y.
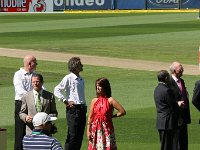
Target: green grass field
{"type": "Point", "coordinates": [147, 36]}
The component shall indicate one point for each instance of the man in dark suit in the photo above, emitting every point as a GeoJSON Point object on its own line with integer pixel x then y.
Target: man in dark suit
{"type": "Point", "coordinates": [196, 96]}
{"type": "Point", "coordinates": [37, 100]}
{"type": "Point", "coordinates": [167, 107]}
{"type": "Point", "coordinates": [177, 84]}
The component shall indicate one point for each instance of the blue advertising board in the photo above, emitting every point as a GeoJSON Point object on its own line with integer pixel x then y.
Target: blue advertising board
{"type": "Point", "coordinates": [191, 4]}
{"type": "Point", "coordinates": [58, 5]}
{"type": "Point", "coordinates": [172, 4]}
{"type": "Point", "coordinates": [130, 4]}
{"type": "Point", "coordinates": [83, 4]}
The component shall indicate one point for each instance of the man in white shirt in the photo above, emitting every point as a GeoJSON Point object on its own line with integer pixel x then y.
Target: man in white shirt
{"type": "Point", "coordinates": [22, 84]}
{"type": "Point", "coordinates": [73, 85]}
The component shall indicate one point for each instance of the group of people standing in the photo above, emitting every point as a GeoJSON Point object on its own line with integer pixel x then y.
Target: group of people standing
{"type": "Point", "coordinates": [172, 105]}
{"type": "Point", "coordinates": [35, 106]}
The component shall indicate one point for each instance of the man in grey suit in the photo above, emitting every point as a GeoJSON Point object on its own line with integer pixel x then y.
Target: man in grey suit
{"type": "Point", "coordinates": [167, 107]}
{"type": "Point", "coordinates": [37, 100]}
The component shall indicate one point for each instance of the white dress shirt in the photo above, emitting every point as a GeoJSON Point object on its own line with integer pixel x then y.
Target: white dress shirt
{"type": "Point", "coordinates": [176, 80]}
{"type": "Point", "coordinates": [22, 83]}
{"type": "Point", "coordinates": [74, 88]}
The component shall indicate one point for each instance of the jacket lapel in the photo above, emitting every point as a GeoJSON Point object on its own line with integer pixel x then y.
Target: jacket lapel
{"type": "Point", "coordinates": [45, 102]}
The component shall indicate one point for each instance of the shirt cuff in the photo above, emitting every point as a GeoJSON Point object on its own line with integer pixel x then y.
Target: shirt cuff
{"type": "Point", "coordinates": [64, 100]}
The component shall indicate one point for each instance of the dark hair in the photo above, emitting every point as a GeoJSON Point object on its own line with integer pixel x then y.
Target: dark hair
{"type": "Point", "coordinates": [73, 63]}
{"type": "Point", "coordinates": [162, 75]}
{"type": "Point", "coordinates": [105, 84]}
{"type": "Point", "coordinates": [39, 76]}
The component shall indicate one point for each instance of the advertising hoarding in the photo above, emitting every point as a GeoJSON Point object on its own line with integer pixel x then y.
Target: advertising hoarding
{"type": "Point", "coordinates": [62, 5]}
{"type": "Point", "coordinates": [83, 4]}
{"type": "Point", "coordinates": [26, 5]}
{"type": "Point", "coordinates": [169, 4]}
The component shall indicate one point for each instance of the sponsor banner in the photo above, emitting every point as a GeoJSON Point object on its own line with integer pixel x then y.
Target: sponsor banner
{"type": "Point", "coordinates": [26, 5]}
{"type": "Point", "coordinates": [130, 4]}
{"type": "Point", "coordinates": [59, 4]}
{"type": "Point", "coordinates": [14, 5]}
{"type": "Point", "coordinates": [168, 4]}
{"type": "Point", "coordinates": [41, 6]}
{"type": "Point", "coordinates": [191, 4]}
{"type": "Point", "coordinates": [83, 4]}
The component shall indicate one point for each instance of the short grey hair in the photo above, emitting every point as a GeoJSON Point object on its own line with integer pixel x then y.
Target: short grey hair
{"type": "Point", "coordinates": [173, 66]}
{"type": "Point", "coordinates": [73, 63]}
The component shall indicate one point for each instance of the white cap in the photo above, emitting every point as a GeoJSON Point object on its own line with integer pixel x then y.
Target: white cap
{"type": "Point", "coordinates": [42, 118]}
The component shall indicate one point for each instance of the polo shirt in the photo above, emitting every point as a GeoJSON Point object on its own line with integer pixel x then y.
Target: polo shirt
{"type": "Point", "coordinates": [41, 141]}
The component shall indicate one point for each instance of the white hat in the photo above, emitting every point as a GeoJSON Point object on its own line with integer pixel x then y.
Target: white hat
{"type": "Point", "coordinates": [42, 118]}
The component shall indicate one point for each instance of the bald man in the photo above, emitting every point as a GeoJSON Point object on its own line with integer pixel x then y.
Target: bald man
{"type": "Point", "coordinates": [181, 94]}
{"type": "Point", "coordinates": [22, 85]}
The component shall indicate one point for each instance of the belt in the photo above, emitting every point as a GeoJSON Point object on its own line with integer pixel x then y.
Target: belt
{"type": "Point", "coordinates": [80, 106]}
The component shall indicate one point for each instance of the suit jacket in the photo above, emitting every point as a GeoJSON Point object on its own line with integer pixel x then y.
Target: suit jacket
{"type": "Point", "coordinates": [28, 107]}
{"type": "Point", "coordinates": [167, 108]}
{"type": "Point", "coordinates": [196, 95]}
{"type": "Point", "coordinates": [184, 113]}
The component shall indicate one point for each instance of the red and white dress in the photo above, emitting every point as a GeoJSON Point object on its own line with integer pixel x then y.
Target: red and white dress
{"type": "Point", "coordinates": [102, 130]}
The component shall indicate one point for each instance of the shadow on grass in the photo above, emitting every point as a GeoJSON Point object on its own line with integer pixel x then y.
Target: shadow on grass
{"type": "Point", "coordinates": [135, 129]}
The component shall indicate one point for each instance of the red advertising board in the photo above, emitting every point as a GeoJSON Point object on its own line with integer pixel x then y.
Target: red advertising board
{"type": "Point", "coordinates": [26, 5]}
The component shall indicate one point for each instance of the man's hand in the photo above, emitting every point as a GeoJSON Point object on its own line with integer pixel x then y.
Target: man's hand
{"type": "Point", "coordinates": [69, 104]}
{"type": "Point", "coordinates": [181, 104]}
{"type": "Point", "coordinates": [28, 119]}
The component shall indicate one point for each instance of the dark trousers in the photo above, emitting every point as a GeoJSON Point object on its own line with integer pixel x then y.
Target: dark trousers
{"type": "Point", "coordinates": [168, 139]}
{"type": "Point", "coordinates": [183, 137]}
{"type": "Point", "coordinates": [76, 120]}
{"type": "Point", "coordinates": [19, 127]}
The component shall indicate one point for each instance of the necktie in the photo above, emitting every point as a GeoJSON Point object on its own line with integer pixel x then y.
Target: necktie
{"type": "Point", "coordinates": [38, 102]}
{"type": "Point", "coordinates": [183, 92]}
{"type": "Point", "coordinates": [180, 85]}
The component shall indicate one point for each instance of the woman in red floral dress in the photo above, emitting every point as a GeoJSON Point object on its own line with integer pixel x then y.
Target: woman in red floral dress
{"type": "Point", "coordinates": [100, 130]}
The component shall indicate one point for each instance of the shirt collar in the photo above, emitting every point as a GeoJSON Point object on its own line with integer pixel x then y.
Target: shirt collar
{"type": "Point", "coordinates": [75, 76]}
{"type": "Point", "coordinates": [40, 92]}
{"type": "Point", "coordinates": [25, 72]}
{"type": "Point", "coordinates": [175, 78]}
{"type": "Point", "coordinates": [40, 131]}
